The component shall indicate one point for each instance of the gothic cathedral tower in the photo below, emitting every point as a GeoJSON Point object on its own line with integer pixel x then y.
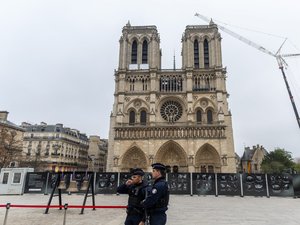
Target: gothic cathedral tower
{"type": "Point", "coordinates": [178, 117]}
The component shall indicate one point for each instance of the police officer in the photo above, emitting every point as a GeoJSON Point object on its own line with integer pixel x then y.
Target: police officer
{"type": "Point", "coordinates": [136, 189]}
{"type": "Point", "coordinates": [156, 202]}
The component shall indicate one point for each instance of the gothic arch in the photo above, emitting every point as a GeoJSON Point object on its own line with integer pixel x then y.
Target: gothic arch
{"type": "Point", "coordinates": [208, 38]}
{"type": "Point", "coordinates": [145, 38]}
{"type": "Point", "coordinates": [132, 39]}
{"type": "Point", "coordinates": [132, 104]}
{"type": "Point", "coordinates": [207, 157]}
{"type": "Point", "coordinates": [133, 158]}
{"type": "Point", "coordinates": [167, 98]}
{"type": "Point", "coordinates": [195, 37]}
{"type": "Point", "coordinates": [172, 154]}
{"type": "Point", "coordinates": [210, 104]}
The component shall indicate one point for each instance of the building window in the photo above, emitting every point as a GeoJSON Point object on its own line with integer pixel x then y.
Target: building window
{"type": "Point", "coordinates": [171, 83]}
{"type": "Point", "coordinates": [143, 117]}
{"type": "Point", "coordinates": [131, 117]}
{"type": "Point", "coordinates": [131, 84]}
{"type": "Point", "coordinates": [17, 178]}
{"type": "Point", "coordinates": [206, 54]}
{"type": "Point", "coordinates": [196, 54]}
{"type": "Point", "coordinates": [145, 53]}
{"type": "Point", "coordinates": [144, 82]}
{"type": "Point", "coordinates": [198, 116]}
{"type": "Point", "coordinates": [134, 53]}
{"type": "Point", "coordinates": [209, 116]}
{"type": "Point", "coordinates": [171, 111]}
{"type": "Point", "coordinates": [5, 178]}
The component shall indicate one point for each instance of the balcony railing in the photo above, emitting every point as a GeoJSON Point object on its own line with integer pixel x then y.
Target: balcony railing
{"type": "Point", "coordinates": [168, 131]}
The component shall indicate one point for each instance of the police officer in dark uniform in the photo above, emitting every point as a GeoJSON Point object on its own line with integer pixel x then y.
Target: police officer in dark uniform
{"type": "Point", "coordinates": [157, 200]}
{"type": "Point", "coordinates": [136, 189]}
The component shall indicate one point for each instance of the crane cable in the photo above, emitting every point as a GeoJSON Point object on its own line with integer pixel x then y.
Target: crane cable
{"type": "Point", "coordinates": [252, 30]}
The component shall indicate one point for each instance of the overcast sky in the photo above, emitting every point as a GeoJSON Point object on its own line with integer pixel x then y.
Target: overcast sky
{"type": "Point", "coordinates": [57, 61]}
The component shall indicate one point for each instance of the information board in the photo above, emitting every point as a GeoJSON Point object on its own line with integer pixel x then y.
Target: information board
{"type": "Point", "coordinates": [254, 185]}
{"type": "Point", "coordinates": [204, 184]}
{"type": "Point", "coordinates": [228, 184]}
{"type": "Point", "coordinates": [35, 182]}
{"type": "Point", "coordinates": [106, 183]}
{"type": "Point", "coordinates": [179, 183]}
{"type": "Point", "coordinates": [280, 185]}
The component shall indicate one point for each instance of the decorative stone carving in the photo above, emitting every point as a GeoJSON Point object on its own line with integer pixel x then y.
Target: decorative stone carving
{"type": "Point", "coordinates": [137, 103]}
{"type": "Point", "coordinates": [116, 160]}
{"type": "Point", "coordinates": [203, 103]}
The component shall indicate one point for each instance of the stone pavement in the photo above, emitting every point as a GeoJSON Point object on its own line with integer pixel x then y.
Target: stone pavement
{"type": "Point", "coordinates": [183, 210]}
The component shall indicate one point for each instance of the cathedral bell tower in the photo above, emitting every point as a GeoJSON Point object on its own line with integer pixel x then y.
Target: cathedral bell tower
{"type": "Point", "coordinates": [178, 117]}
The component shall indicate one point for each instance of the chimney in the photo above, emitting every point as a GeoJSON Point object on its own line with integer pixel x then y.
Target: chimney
{"type": "Point", "coordinates": [3, 115]}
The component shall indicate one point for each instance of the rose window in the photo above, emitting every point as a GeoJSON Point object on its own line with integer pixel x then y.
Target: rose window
{"type": "Point", "coordinates": [171, 111]}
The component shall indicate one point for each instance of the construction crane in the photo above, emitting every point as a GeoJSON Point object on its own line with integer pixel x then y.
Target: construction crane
{"type": "Point", "coordinates": [279, 57]}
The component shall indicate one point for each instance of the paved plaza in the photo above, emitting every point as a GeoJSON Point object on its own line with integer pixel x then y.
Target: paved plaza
{"type": "Point", "coordinates": [183, 210]}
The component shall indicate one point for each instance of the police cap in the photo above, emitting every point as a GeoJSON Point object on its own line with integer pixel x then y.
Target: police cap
{"type": "Point", "coordinates": [137, 171]}
{"type": "Point", "coordinates": [158, 166]}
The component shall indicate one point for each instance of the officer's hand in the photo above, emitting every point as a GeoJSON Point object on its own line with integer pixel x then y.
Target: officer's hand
{"type": "Point", "coordinates": [128, 182]}
{"type": "Point", "coordinates": [141, 223]}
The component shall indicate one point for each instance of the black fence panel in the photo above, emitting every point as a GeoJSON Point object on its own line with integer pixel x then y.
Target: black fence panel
{"type": "Point", "coordinates": [204, 184]}
{"type": "Point", "coordinates": [51, 182]}
{"type": "Point", "coordinates": [296, 185]}
{"type": "Point", "coordinates": [81, 179]}
{"type": "Point", "coordinates": [229, 184]}
{"type": "Point", "coordinates": [35, 182]}
{"type": "Point", "coordinates": [179, 183]}
{"type": "Point", "coordinates": [106, 183]}
{"type": "Point", "coordinates": [124, 177]}
{"type": "Point", "coordinates": [280, 185]}
{"type": "Point", "coordinates": [254, 185]}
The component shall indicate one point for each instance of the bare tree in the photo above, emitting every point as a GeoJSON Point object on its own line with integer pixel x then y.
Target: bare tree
{"type": "Point", "coordinates": [10, 146]}
{"type": "Point", "coordinates": [33, 160]}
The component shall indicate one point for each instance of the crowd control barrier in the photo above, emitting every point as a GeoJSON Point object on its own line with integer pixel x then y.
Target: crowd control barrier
{"type": "Point", "coordinates": [232, 184]}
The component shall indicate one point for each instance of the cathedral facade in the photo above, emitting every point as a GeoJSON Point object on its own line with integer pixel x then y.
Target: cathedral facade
{"type": "Point", "coordinates": [178, 117]}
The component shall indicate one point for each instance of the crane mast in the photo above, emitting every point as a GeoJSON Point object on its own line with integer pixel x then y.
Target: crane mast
{"type": "Point", "coordinates": [277, 55]}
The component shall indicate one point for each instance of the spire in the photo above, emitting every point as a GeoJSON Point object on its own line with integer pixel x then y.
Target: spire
{"type": "Point", "coordinates": [174, 62]}
{"type": "Point", "coordinates": [128, 24]}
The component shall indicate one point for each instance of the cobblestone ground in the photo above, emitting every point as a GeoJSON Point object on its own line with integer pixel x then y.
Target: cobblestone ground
{"type": "Point", "coordinates": [183, 210]}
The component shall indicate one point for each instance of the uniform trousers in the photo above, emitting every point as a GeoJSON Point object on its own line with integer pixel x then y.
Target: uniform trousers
{"type": "Point", "coordinates": [158, 218]}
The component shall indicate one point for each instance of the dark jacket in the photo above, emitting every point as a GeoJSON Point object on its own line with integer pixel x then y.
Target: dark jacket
{"type": "Point", "coordinates": [136, 196]}
{"type": "Point", "coordinates": [158, 196]}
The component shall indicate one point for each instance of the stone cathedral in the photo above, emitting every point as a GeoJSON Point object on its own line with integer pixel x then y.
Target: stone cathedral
{"type": "Point", "coordinates": [178, 117]}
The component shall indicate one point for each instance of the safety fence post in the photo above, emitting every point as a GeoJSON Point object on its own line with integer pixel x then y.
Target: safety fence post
{"type": "Point", "coordinates": [6, 213]}
{"type": "Point", "coordinates": [65, 213]}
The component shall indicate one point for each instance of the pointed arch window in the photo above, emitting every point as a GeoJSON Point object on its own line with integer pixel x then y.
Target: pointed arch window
{"type": "Point", "coordinates": [143, 117]}
{"type": "Point", "coordinates": [134, 52]}
{"type": "Point", "coordinates": [145, 52]}
{"type": "Point", "coordinates": [196, 54]}
{"type": "Point", "coordinates": [198, 116]}
{"type": "Point", "coordinates": [209, 117]}
{"type": "Point", "coordinates": [131, 117]}
{"type": "Point", "coordinates": [206, 53]}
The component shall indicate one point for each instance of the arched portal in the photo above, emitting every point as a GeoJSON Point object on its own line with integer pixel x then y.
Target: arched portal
{"type": "Point", "coordinates": [207, 160]}
{"type": "Point", "coordinates": [133, 158]}
{"type": "Point", "coordinates": [172, 155]}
